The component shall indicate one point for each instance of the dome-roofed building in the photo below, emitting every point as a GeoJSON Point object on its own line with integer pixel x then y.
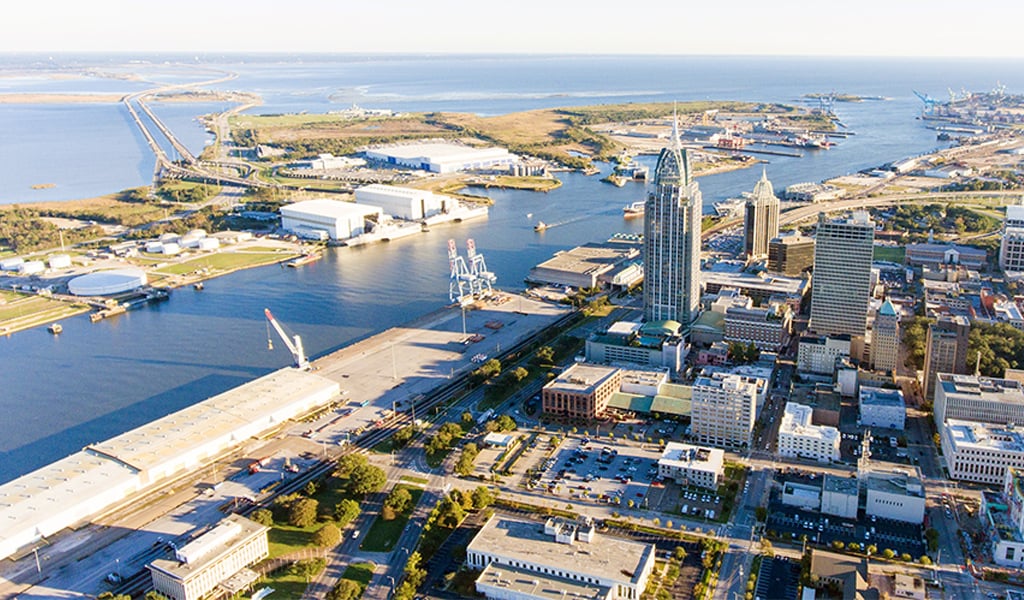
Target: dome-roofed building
{"type": "Point", "coordinates": [104, 283]}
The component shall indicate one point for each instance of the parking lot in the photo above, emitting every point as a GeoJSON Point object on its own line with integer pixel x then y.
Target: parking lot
{"type": "Point", "coordinates": [616, 473]}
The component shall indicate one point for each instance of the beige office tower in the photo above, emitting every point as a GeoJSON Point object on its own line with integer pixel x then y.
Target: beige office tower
{"type": "Point", "coordinates": [760, 220]}
{"type": "Point", "coordinates": [841, 284]}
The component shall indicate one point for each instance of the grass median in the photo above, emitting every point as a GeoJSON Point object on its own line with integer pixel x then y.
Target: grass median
{"type": "Point", "coordinates": [383, 535]}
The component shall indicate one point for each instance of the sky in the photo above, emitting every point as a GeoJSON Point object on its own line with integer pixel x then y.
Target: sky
{"type": "Point", "coordinates": [768, 27]}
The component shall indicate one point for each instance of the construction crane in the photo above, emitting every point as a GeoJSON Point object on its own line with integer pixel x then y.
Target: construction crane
{"type": "Point", "coordinates": [482, 278]}
{"type": "Point", "coordinates": [294, 345]}
{"type": "Point", "coordinates": [460, 277]}
{"type": "Point", "coordinates": [929, 102]}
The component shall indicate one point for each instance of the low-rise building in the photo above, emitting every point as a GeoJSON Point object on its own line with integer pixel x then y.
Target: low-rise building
{"type": "Point", "coordinates": [522, 560]}
{"type": "Point", "coordinates": [585, 266]}
{"type": "Point", "coordinates": [1003, 517]}
{"type": "Point", "coordinates": [657, 344]}
{"type": "Point", "coordinates": [692, 465]}
{"type": "Point", "coordinates": [981, 452]}
{"type": "Point", "coordinates": [937, 255]}
{"type": "Point", "coordinates": [840, 496]}
{"type": "Point", "coordinates": [441, 156]}
{"type": "Point", "coordinates": [880, 407]}
{"type": "Point", "coordinates": [975, 398]}
{"type": "Point", "coordinates": [799, 438]}
{"type": "Point", "coordinates": [208, 562]}
{"type": "Point", "coordinates": [402, 202]}
{"type": "Point", "coordinates": [768, 328]}
{"type": "Point", "coordinates": [818, 354]}
{"type": "Point", "coordinates": [896, 494]}
{"type": "Point", "coordinates": [762, 287]}
{"type": "Point", "coordinates": [581, 391]}
{"type": "Point", "coordinates": [805, 496]}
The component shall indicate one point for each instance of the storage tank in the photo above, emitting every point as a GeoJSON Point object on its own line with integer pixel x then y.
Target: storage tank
{"type": "Point", "coordinates": [11, 264]}
{"type": "Point", "coordinates": [60, 261]}
{"type": "Point", "coordinates": [209, 244]}
{"type": "Point", "coordinates": [154, 247]}
{"type": "Point", "coordinates": [103, 283]}
{"type": "Point", "coordinates": [189, 241]}
{"type": "Point", "coordinates": [171, 248]}
{"type": "Point", "coordinates": [169, 237]}
{"type": "Point", "coordinates": [32, 267]}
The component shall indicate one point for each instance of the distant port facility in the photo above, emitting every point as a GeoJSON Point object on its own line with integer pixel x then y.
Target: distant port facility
{"type": "Point", "coordinates": [441, 157]}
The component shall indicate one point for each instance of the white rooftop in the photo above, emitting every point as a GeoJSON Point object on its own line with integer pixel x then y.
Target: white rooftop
{"type": "Point", "coordinates": [984, 436]}
{"type": "Point", "coordinates": [330, 208]}
{"type": "Point", "coordinates": [154, 443]}
{"type": "Point", "coordinates": [440, 151]}
{"type": "Point", "coordinates": [796, 421]}
{"type": "Point", "coordinates": [698, 458]}
{"type": "Point", "coordinates": [604, 558]}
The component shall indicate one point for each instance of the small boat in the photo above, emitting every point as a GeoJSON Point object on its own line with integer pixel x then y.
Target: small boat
{"type": "Point", "coordinates": [540, 226]}
{"type": "Point", "coordinates": [198, 286]}
{"type": "Point", "coordinates": [529, 215]}
{"type": "Point", "coordinates": [55, 328]}
{"type": "Point", "coordinates": [310, 257]}
{"type": "Point", "coordinates": [635, 209]}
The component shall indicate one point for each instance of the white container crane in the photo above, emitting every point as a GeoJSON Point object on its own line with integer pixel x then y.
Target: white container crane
{"type": "Point", "coordinates": [298, 354]}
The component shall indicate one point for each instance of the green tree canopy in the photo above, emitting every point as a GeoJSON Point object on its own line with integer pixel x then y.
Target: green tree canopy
{"type": "Point", "coordinates": [346, 511]}
{"type": "Point", "coordinates": [303, 512]}
{"type": "Point", "coordinates": [366, 479]}
{"type": "Point", "coordinates": [327, 536]}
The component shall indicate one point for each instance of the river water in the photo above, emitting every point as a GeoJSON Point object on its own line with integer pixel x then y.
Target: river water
{"type": "Point", "coordinates": [97, 380]}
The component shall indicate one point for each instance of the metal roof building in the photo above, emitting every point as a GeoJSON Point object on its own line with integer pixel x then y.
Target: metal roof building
{"type": "Point", "coordinates": [85, 484]}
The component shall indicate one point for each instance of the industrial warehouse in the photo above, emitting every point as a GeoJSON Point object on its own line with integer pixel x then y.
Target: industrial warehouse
{"type": "Point", "coordinates": [89, 482]}
{"type": "Point", "coordinates": [441, 157]}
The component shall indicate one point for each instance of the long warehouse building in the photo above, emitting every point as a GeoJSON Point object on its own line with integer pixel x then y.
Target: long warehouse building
{"type": "Point", "coordinates": [85, 484]}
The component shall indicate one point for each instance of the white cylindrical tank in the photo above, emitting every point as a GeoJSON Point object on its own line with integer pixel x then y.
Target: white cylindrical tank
{"type": "Point", "coordinates": [171, 248]}
{"type": "Point", "coordinates": [11, 264]}
{"type": "Point", "coordinates": [169, 237]}
{"type": "Point", "coordinates": [189, 241]}
{"type": "Point", "coordinates": [32, 267]}
{"type": "Point", "coordinates": [209, 244]}
{"type": "Point", "coordinates": [199, 233]}
{"type": "Point", "coordinates": [107, 282]}
{"type": "Point", "coordinates": [154, 247]}
{"type": "Point", "coordinates": [60, 261]}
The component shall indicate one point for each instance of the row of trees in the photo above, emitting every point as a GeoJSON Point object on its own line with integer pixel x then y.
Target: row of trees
{"type": "Point", "coordinates": [1000, 346]}
{"type": "Point", "coordinates": [444, 438]}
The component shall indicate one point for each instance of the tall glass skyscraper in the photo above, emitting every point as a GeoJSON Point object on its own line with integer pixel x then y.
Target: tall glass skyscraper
{"type": "Point", "coordinates": [672, 228]}
{"type": "Point", "coordinates": [841, 283]}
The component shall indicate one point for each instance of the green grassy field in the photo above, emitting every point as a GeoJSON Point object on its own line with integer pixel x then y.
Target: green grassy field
{"type": "Point", "coordinates": [383, 535]}
{"type": "Point", "coordinates": [894, 254]}
{"type": "Point", "coordinates": [285, 584]}
{"type": "Point", "coordinates": [225, 261]}
{"type": "Point", "coordinates": [21, 311]}
{"type": "Point", "coordinates": [360, 573]}
{"type": "Point", "coordinates": [285, 539]}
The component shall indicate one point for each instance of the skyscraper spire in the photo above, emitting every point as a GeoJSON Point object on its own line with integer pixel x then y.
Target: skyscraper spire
{"type": "Point", "coordinates": [676, 144]}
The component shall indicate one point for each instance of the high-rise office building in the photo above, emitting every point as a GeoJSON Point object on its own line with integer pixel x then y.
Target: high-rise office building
{"type": "Point", "coordinates": [841, 284]}
{"type": "Point", "coordinates": [760, 219]}
{"type": "Point", "coordinates": [672, 228]}
{"type": "Point", "coordinates": [885, 338]}
{"type": "Point", "coordinates": [791, 254]}
{"type": "Point", "coordinates": [945, 350]}
{"type": "Point", "coordinates": [1011, 249]}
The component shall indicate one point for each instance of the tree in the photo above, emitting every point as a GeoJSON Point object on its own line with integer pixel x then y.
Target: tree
{"type": "Point", "coordinates": [346, 511]}
{"type": "Point", "coordinates": [302, 512]}
{"type": "Point", "coordinates": [366, 479]}
{"type": "Point", "coordinates": [999, 345]}
{"type": "Point", "coordinates": [310, 488]}
{"type": "Point", "coordinates": [932, 536]}
{"type": "Point", "coordinates": [837, 544]}
{"type": "Point", "coordinates": [915, 334]}
{"type": "Point", "coordinates": [853, 547]}
{"type": "Point", "coordinates": [506, 423]}
{"type": "Point", "coordinates": [872, 549]}
{"type": "Point", "coordinates": [761, 513]}
{"type": "Point", "coordinates": [346, 589]}
{"type": "Point", "coordinates": [545, 355]}
{"type": "Point", "coordinates": [400, 500]}
{"type": "Point", "coordinates": [925, 560]}
{"type": "Point", "coordinates": [387, 513]}
{"type": "Point", "coordinates": [348, 463]}
{"type": "Point", "coordinates": [308, 568]}
{"type": "Point", "coordinates": [450, 513]}
{"type": "Point", "coordinates": [888, 553]}
{"type": "Point", "coordinates": [150, 595]}
{"type": "Point", "coordinates": [111, 596]}
{"type": "Point", "coordinates": [679, 553]}
{"type": "Point", "coordinates": [327, 536]}
{"type": "Point", "coordinates": [467, 421]}
{"type": "Point", "coordinates": [403, 436]}
{"type": "Point", "coordinates": [263, 516]}
{"type": "Point", "coordinates": [465, 465]}
{"type": "Point", "coordinates": [905, 557]}
{"type": "Point", "coordinates": [482, 497]}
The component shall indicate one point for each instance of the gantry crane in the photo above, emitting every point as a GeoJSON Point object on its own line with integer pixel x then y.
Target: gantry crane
{"type": "Point", "coordinates": [294, 345]}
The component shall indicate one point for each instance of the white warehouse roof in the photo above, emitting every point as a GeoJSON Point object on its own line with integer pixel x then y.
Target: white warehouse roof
{"type": "Point", "coordinates": [442, 152]}
{"type": "Point", "coordinates": [334, 209]}
{"type": "Point", "coordinates": [103, 283]}
{"type": "Point", "coordinates": [86, 483]}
